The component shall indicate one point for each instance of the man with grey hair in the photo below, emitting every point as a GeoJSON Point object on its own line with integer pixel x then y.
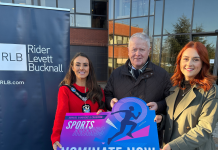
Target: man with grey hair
{"type": "Point", "coordinates": [139, 77]}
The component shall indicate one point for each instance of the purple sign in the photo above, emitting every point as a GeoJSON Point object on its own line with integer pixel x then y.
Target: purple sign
{"type": "Point", "coordinates": [129, 126]}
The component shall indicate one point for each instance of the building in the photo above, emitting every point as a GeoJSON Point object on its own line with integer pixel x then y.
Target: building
{"type": "Point", "coordinates": [170, 24]}
{"type": "Point", "coordinates": [101, 29]}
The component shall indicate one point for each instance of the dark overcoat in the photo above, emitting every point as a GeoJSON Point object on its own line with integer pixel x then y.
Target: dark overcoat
{"type": "Point", "coordinates": [151, 86]}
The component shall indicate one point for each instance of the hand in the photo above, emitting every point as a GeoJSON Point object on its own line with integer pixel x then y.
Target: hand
{"type": "Point", "coordinates": [166, 147]}
{"type": "Point", "coordinates": [152, 106]}
{"type": "Point", "coordinates": [56, 144]}
{"type": "Point", "coordinates": [113, 101]}
{"type": "Point", "coordinates": [158, 118]}
{"type": "Point", "coordinates": [99, 111]}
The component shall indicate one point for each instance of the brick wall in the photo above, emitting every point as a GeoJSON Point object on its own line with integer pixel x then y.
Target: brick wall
{"type": "Point", "coordinates": [88, 37]}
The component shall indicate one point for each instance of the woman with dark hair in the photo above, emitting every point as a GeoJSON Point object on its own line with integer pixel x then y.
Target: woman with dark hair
{"type": "Point", "coordinates": [192, 107]}
{"type": "Point", "coordinates": [78, 92]}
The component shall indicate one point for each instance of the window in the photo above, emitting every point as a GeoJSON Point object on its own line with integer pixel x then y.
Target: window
{"type": "Point", "coordinates": [99, 7]}
{"type": "Point", "coordinates": [110, 32]}
{"type": "Point", "coordinates": [151, 22]}
{"type": "Point", "coordinates": [139, 25]}
{"type": "Point", "coordinates": [48, 3]}
{"type": "Point", "coordinates": [66, 4]}
{"type": "Point", "coordinates": [204, 19]}
{"type": "Point", "coordinates": [36, 2]}
{"type": "Point", "coordinates": [177, 16]}
{"type": "Point", "coordinates": [171, 47]}
{"type": "Point", "coordinates": [23, 2]}
{"type": "Point", "coordinates": [72, 23]}
{"type": "Point", "coordinates": [83, 13]}
{"type": "Point", "coordinates": [99, 22]}
{"type": "Point", "coordinates": [83, 21]}
{"type": "Point", "coordinates": [139, 8]}
{"type": "Point", "coordinates": [120, 55]}
{"type": "Point", "coordinates": [158, 17]}
{"type": "Point", "coordinates": [83, 6]}
{"type": "Point", "coordinates": [122, 9]}
{"type": "Point", "coordinates": [121, 29]}
{"type": "Point", "coordinates": [111, 9]}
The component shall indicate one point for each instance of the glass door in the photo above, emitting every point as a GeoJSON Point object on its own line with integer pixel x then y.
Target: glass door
{"type": "Point", "coordinates": [210, 41]}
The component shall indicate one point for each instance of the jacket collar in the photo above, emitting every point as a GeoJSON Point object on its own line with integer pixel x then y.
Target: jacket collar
{"type": "Point", "coordinates": [142, 69]}
{"type": "Point", "coordinates": [187, 99]}
{"type": "Point", "coordinates": [145, 68]}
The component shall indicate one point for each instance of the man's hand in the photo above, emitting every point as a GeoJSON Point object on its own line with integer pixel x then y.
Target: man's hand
{"type": "Point", "coordinates": [166, 147]}
{"type": "Point", "coordinates": [158, 118]}
{"type": "Point", "coordinates": [56, 144]}
{"type": "Point", "coordinates": [152, 106]}
{"type": "Point", "coordinates": [113, 101]}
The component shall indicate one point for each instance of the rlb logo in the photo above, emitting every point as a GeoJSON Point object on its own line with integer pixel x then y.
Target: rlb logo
{"type": "Point", "coordinates": [13, 57]}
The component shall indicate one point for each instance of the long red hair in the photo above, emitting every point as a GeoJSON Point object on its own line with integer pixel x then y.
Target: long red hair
{"type": "Point", "coordinates": [203, 79]}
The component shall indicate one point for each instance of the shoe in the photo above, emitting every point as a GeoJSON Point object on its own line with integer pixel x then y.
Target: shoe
{"type": "Point", "coordinates": [130, 135]}
{"type": "Point", "coordinates": [109, 141]}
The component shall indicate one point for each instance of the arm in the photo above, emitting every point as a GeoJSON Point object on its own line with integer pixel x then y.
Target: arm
{"type": "Point", "coordinates": [118, 112]}
{"type": "Point", "coordinates": [62, 109]}
{"type": "Point", "coordinates": [200, 134]}
{"type": "Point", "coordinates": [160, 120]}
{"type": "Point", "coordinates": [108, 91]}
{"type": "Point", "coordinates": [162, 103]}
{"type": "Point", "coordinates": [137, 116]}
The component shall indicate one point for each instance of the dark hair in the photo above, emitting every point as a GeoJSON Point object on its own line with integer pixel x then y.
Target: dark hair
{"type": "Point", "coordinates": [204, 79]}
{"type": "Point", "coordinates": [94, 93]}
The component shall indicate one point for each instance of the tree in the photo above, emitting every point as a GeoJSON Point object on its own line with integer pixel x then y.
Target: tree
{"type": "Point", "coordinates": [156, 50]}
{"type": "Point", "coordinates": [173, 44]}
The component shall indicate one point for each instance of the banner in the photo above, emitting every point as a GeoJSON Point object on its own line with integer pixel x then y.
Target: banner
{"type": "Point", "coordinates": [34, 58]}
{"type": "Point", "coordinates": [130, 126]}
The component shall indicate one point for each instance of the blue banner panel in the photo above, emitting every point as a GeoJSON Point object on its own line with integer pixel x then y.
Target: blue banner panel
{"type": "Point", "coordinates": [34, 58]}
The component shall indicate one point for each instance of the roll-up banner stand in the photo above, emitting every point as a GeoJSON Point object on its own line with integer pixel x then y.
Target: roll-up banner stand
{"type": "Point", "coordinates": [34, 58]}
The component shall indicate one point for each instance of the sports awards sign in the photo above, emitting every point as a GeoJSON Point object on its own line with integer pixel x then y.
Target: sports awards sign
{"type": "Point", "coordinates": [130, 126]}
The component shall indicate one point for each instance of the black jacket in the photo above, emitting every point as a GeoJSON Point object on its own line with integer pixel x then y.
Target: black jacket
{"type": "Point", "coordinates": [152, 85]}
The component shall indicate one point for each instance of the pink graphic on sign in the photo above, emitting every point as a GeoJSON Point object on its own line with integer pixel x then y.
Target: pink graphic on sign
{"type": "Point", "coordinates": [137, 134]}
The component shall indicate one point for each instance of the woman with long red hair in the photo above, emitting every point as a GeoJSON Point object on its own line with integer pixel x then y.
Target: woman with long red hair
{"type": "Point", "coordinates": [192, 107]}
